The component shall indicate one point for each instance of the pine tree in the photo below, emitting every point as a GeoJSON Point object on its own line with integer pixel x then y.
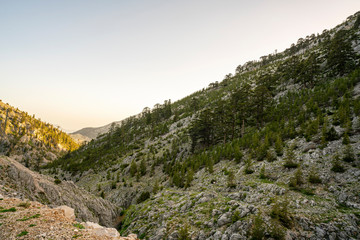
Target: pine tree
{"type": "Point", "coordinates": [341, 55]}
{"type": "Point", "coordinates": [142, 167]}
{"type": "Point", "coordinates": [133, 168]}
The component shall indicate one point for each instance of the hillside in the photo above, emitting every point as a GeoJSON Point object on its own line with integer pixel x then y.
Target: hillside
{"type": "Point", "coordinates": [29, 140]}
{"type": "Point", "coordinates": [271, 151]}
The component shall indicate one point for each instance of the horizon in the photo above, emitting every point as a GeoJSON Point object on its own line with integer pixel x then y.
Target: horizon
{"type": "Point", "coordinates": [87, 64]}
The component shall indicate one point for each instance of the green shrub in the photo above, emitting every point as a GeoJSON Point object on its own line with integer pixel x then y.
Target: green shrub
{"type": "Point", "coordinates": [143, 196]}
{"type": "Point", "coordinates": [280, 212]}
{"type": "Point", "coordinates": [28, 218]}
{"type": "Point", "coordinates": [8, 210]}
{"type": "Point", "coordinates": [348, 154]}
{"type": "Point", "coordinates": [289, 164]}
{"type": "Point", "coordinates": [262, 172]}
{"type": "Point", "coordinates": [57, 181]}
{"type": "Point", "coordinates": [184, 233]}
{"type": "Point", "coordinates": [336, 166]}
{"type": "Point", "coordinates": [23, 233]}
{"type": "Point", "coordinates": [257, 231]}
{"type": "Point", "coordinates": [236, 216]}
{"type": "Point", "coordinates": [314, 177]}
{"type": "Point", "coordinates": [276, 231]}
{"type": "Point", "coordinates": [270, 156]}
{"type": "Point", "coordinates": [331, 135]}
{"type": "Point", "coordinates": [78, 225]}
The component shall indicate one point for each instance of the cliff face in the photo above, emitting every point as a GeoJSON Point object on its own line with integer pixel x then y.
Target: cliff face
{"type": "Point", "coordinates": [34, 186]}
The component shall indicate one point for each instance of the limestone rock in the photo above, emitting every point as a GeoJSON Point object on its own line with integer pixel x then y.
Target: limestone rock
{"type": "Point", "coordinates": [68, 212]}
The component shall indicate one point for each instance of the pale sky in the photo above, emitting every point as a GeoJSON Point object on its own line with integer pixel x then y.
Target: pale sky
{"type": "Point", "coordinates": [86, 63]}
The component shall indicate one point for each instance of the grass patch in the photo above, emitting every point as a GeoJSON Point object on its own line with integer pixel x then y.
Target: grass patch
{"type": "Point", "coordinates": [23, 233]}
{"type": "Point", "coordinates": [266, 180]}
{"type": "Point", "coordinates": [8, 210]}
{"type": "Point", "coordinates": [307, 191]}
{"type": "Point", "coordinates": [32, 225]}
{"type": "Point", "coordinates": [78, 225]}
{"type": "Point", "coordinates": [28, 218]}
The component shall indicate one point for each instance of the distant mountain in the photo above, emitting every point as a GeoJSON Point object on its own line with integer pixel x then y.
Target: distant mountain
{"type": "Point", "coordinates": [89, 133]}
{"type": "Point", "coordinates": [270, 152]}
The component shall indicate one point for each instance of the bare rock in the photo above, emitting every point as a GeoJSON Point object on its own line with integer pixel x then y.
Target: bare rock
{"type": "Point", "coordinates": [68, 212]}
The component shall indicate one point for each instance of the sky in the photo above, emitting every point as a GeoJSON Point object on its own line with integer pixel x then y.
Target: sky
{"type": "Point", "coordinates": [87, 63]}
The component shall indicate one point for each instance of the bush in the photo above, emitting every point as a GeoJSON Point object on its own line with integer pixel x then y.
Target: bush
{"type": "Point", "coordinates": [337, 167]}
{"type": "Point", "coordinates": [262, 172]}
{"type": "Point", "coordinates": [314, 178]}
{"type": "Point", "coordinates": [78, 225]}
{"type": "Point", "coordinates": [184, 233]}
{"type": "Point", "coordinates": [144, 196]}
{"type": "Point", "coordinates": [57, 181]}
{"type": "Point", "coordinates": [257, 231]}
{"type": "Point", "coordinates": [289, 164]}
{"type": "Point", "coordinates": [348, 154]}
{"type": "Point", "coordinates": [290, 158]}
{"type": "Point", "coordinates": [296, 180]}
{"type": "Point", "coordinates": [332, 135]}
{"type": "Point", "coordinates": [280, 212]}
{"type": "Point", "coordinates": [276, 231]}
{"type": "Point", "coordinates": [236, 216]}
{"type": "Point", "coordinates": [270, 156]}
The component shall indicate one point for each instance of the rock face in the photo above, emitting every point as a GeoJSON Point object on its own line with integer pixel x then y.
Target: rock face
{"type": "Point", "coordinates": [35, 186]}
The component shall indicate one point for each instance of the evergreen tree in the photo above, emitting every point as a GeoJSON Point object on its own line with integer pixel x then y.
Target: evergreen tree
{"type": "Point", "coordinates": [341, 55]}
{"type": "Point", "coordinates": [142, 167]}
{"type": "Point", "coordinates": [133, 168]}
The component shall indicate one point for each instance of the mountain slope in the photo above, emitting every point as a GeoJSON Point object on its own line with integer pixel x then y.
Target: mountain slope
{"type": "Point", "coordinates": [271, 151]}
{"type": "Point", "coordinates": [30, 140]}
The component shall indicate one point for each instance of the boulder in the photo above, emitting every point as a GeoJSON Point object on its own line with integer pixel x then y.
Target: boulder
{"type": "Point", "coordinates": [68, 212]}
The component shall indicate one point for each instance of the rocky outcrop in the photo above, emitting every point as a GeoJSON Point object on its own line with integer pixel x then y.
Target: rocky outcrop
{"type": "Point", "coordinates": [35, 186]}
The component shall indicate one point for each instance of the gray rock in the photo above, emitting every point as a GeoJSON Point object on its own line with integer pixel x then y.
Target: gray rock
{"type": "Point", "coordinates": [201, 236]}
{"type": "Point", "coordinates": [235, 236]}
{"type": "Point", "coordinates": [215, 212]}
{"type": "Point", "coordinates": [320, 232]}
{"type": "Point", "coordinates": [217, 235]}
{"type": "Point", "coordinates": [160, 234]}
{"type": "Point", "coordinates": [203, 199]}
{"type": "Point", "coordinates": [224, 237]}
{"type": "Point", "coordinates": [224, 219]}
{"type": "Point", "coordinates": [174, 235]}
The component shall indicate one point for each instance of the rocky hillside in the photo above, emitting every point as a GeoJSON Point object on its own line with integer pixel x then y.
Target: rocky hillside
{"type": "Point", "coordinates": [19, 181]}
{"type": "Point", "coordinates": [32, 220]}
{"type": "Point", "coordinates": [271, 151]}
{"type": "Point", "coordinates": [29, 140]}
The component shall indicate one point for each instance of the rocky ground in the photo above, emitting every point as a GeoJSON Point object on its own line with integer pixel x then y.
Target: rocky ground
{"type": "Point", "coordinates": [32, 220]}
